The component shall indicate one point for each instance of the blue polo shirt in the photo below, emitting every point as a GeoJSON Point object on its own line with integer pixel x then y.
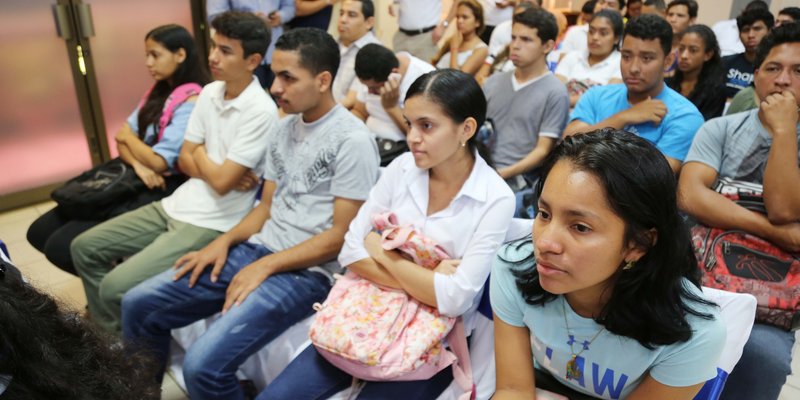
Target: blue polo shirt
{"type": "Point", "coordinates": [673, 136]}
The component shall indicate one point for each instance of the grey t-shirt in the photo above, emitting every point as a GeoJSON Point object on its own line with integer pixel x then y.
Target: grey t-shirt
{"type": "Point", "coordinates": [539, 108]}
{"type": "Point", "coordinates": [736, 146]}
{"type": "Point", "coordinates": [312, 164]}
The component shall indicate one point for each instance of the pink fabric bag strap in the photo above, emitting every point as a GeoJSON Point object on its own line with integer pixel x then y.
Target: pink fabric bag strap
{"type": "Point", "coordinates": [175, 99]}
{"type": "Point", "coordinates": [462, 368]}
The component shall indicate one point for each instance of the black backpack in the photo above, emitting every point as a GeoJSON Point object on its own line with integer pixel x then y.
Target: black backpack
{"type": "Point", "coordinates": [92, 194]}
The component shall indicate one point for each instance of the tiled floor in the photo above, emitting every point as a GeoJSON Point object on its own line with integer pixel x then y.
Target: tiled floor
{"type": "Point", "coordinates": [68, 288]}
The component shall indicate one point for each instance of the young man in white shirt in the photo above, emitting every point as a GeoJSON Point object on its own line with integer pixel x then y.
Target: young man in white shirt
{"type": "Point", "coordinates": [274, 13]}
{"type": "Point", "coordinates": [269, 270]}
{"type": "Point", "coordinates": [223, 154]}
{"type": "Point", "coordinates": [528, 106]}
{"type": "Point", "coordinates": [385, 78]}
{"type": "Point", "coordinates": [356, 19]}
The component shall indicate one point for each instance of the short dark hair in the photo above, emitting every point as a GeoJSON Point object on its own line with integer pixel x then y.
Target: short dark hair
{"type": "Point", "coordinates": [792, 12]}
{"type": "Point", "coordinates": [691, 6]}
{"type": "Point", "coordinates": [657, 4]}
{"type": "Point", "coordinates": [757, 4]}
{"type": "Point", "coordinates": [787, 33]}
{"type": "Point", "coordinates": [650, 302]}
{"type": "Point", "coordinates": [245, 27]}
{"type": "Point", "coordinates": [649, 27]}
{"type": "Point", "coordinates": [318, 50]}
{"type": "Point", "coordinates": [367, 8]}
{"type": "Point", "coordinates": [375, 62]}
{"type": "Point", "coordinates": [588, 7]}
{"type": "Point", "coordinates": [542, 20]}
{"type": "Point", "coordinates": [751, 16]}
{"type": "Point", "coordinates": [523, 6]}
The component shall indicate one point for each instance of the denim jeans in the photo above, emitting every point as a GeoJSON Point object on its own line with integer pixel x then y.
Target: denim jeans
{"type": "Point", "coordinates": [765, 363]}
{"type": "Point", "coordinates": [311, 377]}
{"type": "Point", "coordinates": [158, 305]}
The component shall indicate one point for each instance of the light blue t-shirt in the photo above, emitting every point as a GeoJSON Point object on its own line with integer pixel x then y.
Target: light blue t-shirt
{"type": "Point", "coordinates": [169, 147]}
{"type": "Point", "coordinates": [673, 136]}
{"type": "Point", "coordinates": [612, 366]}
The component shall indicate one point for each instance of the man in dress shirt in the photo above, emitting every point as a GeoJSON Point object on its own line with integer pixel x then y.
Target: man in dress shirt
{"type": "Point", "coordinates": [419, 28]}
{"type": "Point", "coordinates": [356, 19]}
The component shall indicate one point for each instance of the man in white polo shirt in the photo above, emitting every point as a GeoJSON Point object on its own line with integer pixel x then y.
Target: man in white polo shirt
{"type": "Point", "coordinates": [386, 77]}
{"type": "Point", "coordinates": [223, 154]}
{"type": "Point", "coordinates": [356, 19]}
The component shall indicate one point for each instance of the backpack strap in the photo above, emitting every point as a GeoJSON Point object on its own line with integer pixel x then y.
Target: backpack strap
{"type": "Point", "coordinates": [462, 367]}
{"type": "Point", "coordinates": [175, 99]}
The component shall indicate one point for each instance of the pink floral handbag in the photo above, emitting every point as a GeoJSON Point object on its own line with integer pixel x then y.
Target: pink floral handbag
{"type": "Point", "coordinates": [377, 333]}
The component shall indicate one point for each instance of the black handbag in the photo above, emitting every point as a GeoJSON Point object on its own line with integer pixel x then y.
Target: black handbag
{"type": "Point", "coordinates": [389, 150]}
{"type": "Point", "coordinates": [107, 190]}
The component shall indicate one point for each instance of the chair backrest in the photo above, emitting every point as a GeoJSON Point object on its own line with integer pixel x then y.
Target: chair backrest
{"type": "Point", "coordinates": [4, 252]}
{"type": "Point", "coordinates": [738, 311]}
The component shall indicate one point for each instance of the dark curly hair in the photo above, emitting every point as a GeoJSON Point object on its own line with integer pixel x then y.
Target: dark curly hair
{"type": "Point", "coordinates": [53, 354]}
{"type": "Point", "coordinates": [649, 302]}
{"type": "Point", "coordinates": [649, 27]}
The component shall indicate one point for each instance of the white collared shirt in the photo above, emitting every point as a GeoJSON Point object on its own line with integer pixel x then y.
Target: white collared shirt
{"type": "Point", "coordinates": [575, 66]}
{"type": "Point", "coordinates": [233, 130]}
{"type": "Point", "coordinates": [345, 80]}
{"type": "Point", "coordinates": [418, 14]}
{"type": "Point", "coordinates": [471, 228]}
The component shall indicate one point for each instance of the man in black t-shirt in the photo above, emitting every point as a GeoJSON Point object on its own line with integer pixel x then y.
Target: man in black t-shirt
{"type": "Point", "coordinates": [753, 25]}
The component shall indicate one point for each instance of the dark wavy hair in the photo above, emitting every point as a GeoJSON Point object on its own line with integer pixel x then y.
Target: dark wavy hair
{"type": "Point", "coordinates": [53, 354]}
{"type": "Point", "coordinates": [649, 302]}
{"type": "Point", "coordinates": [712, 76]}
{"type": "Point", "coordinates": [787, 33]}
{"type": "Point", "coordinates": [459, 95]}
{"type": "Point", "coordinates": [649, 27]}
{"type": "Point", "coordinates": [191, 70]}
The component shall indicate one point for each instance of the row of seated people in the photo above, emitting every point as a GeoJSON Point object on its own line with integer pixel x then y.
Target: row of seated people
{"type": "Point", "coordinates": [313, 191]}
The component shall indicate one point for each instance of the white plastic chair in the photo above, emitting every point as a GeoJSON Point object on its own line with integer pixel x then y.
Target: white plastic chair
{"type": "Point", "coordinates": [738, 311]}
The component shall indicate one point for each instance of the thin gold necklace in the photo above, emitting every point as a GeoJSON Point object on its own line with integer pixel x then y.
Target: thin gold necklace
{"type": "Point", "coordinates": [573, 372]}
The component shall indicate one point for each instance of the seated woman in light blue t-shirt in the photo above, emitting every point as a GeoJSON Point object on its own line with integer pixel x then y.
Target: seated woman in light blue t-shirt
{"type": "Point", "coordinates": [606, 296]}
